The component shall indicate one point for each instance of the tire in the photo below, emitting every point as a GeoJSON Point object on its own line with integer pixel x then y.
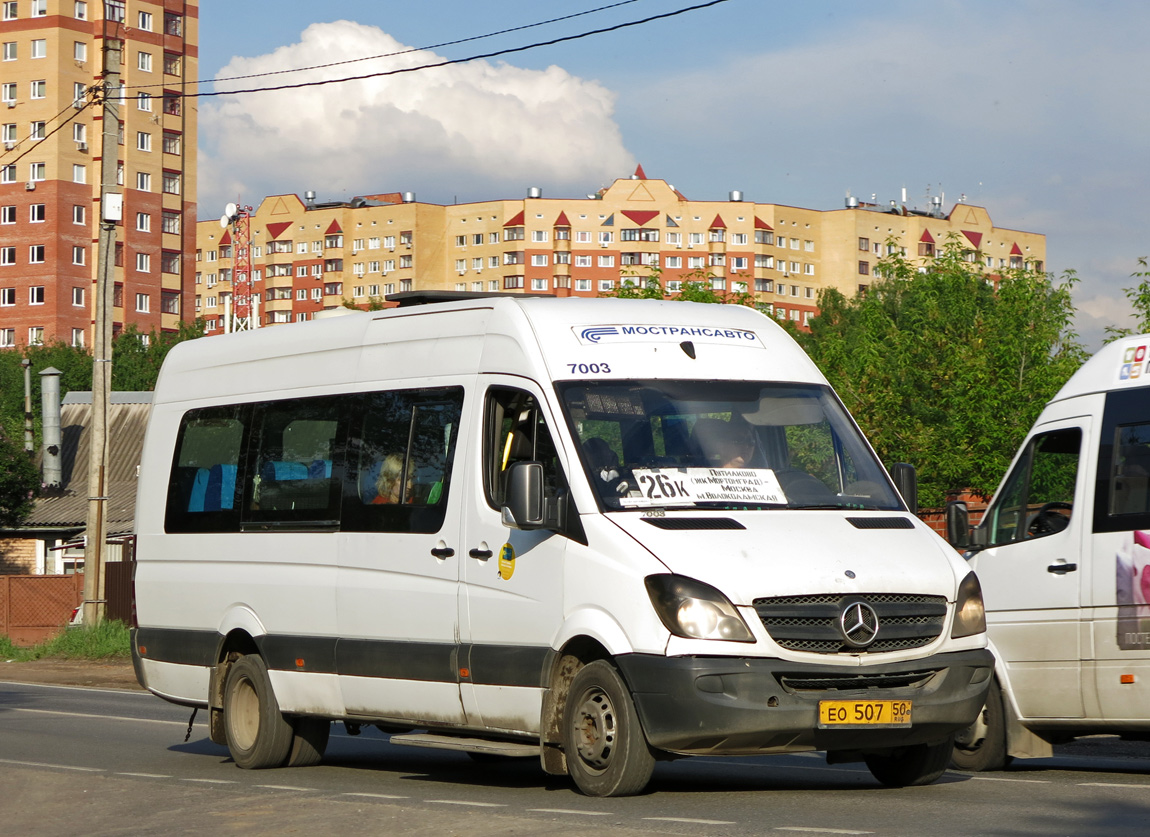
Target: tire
{"type": "Point", "coordinates": [607, 753]}
{"type": "Point", "coordinates": [904, 767]}
{"type": "Point", "coordinates": [982, 745]}
{"type": "Point", "coordinates": [309, 740]}
{"type": "Point", "coordinates": [259, 736]}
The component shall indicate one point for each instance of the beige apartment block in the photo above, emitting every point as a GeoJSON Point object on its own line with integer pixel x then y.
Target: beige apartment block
{"type": "Point", "coordinates": [306, 257]}
{"type": "Point", "coordinates": [51, 158]}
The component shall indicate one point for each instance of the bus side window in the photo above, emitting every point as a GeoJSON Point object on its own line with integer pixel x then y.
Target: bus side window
{"type": "Point", "coordinates": [203, 481]}
{"type": "Point", "coordinates": [1037, 498]}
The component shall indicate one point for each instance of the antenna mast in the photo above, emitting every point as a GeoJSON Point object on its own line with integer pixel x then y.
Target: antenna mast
{"type": "Point", "coordinates": [244, 315]}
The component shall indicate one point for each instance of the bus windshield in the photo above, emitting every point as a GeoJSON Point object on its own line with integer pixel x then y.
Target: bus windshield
{"type": "Point", "coordinates": [723, 445]}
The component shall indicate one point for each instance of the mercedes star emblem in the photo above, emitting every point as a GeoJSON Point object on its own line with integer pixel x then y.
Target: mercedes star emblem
{"type": "Point", "coordinates": [858, 624]}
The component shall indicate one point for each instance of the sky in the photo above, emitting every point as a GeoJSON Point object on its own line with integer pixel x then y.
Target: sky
{"type": "Point", "coordinates": [1034, 109]}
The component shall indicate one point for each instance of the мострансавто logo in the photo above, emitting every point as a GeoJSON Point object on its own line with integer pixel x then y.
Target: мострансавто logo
{"type": "Point", "coordinates": [647, 333]}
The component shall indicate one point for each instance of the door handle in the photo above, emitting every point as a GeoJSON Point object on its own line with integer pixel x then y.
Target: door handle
{"type": "Point", "coordinates": [481, 554]}
{"type": "Point", "coordinates": [443, 552]}
{"type": "Point", "coordinates": [1062, 569]}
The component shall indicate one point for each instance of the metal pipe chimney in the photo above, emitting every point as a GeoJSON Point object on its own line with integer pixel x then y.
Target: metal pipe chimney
{"type": "Point", "coordinates": [50, 401]}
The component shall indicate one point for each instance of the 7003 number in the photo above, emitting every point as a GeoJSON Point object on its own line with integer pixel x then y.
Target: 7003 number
{"type": "Point", "coordinates": [588, 368]}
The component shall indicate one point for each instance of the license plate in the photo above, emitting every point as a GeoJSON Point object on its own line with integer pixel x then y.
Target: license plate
{"type": "Point", "coordinates": [864, 713]}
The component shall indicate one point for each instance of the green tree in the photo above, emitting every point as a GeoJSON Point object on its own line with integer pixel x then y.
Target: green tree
{"type": "Point", "coordinates": [136, 362]}
{"type": "Point", "coordinates": [19, 481]}
{"type": "Point", "coordinates": [1139, 297]}
{"type": "Point", "coordinates": [695, 287]}
{"type": "Point", "coordinates": [945, 368]}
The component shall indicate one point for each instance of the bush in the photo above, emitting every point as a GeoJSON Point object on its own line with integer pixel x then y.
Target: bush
{"type": "Point", "coordinates": [107, 641]}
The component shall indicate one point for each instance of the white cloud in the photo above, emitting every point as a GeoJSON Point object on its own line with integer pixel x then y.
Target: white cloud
{"type": "Point", "coordinates": [474, 130]}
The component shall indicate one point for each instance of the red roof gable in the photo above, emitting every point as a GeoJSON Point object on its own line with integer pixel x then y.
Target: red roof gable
{"type": "Point", "coordinates": [974, 237]}
{"type": "Point", "coordinates": [333, 228]}
{"type": "Point", "coordinates": [562, 221]}
{"type": "Point", "coordinates": [927, 237]}
{"type": "Point", "coordinates": [1014, 251]}
{"type": "Point", "coordinates": [517, 221]}
{"type": "Point", "coordinates": [717, 224]}
{"type": "Point", "coordinates": [226, 238]}
{"type": "Point", "coordinates": [639, 173]}
{"type": "Point", "coordinates": [640, 217]}
{"type": "Point", "coordinates": [760, 224]}
{"type": "Point", "coordinates": [275, 230]}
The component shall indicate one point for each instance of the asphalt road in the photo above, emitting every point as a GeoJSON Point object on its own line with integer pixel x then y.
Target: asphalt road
{"type": "Point", "coordinates": [79, 761]}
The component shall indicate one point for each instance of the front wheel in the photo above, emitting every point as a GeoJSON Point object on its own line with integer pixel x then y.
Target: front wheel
{"type": "Point", "coordinates": [919, 764]}
{"type": "Point", "coordinates": [258, 734]}
{"type": "Point", "coordinates": [607, 753]}
{"type": "Point", "coordinates": [982, 745]}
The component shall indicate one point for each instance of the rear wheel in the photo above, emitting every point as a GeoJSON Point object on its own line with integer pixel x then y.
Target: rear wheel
{"type": "Point", "coordinates": [607, 753]}
{"type": "Point", "coordinates": [919, 764]}
{"type": "Point", "coordinates": [982, 745]}
{"type": "Point", "coordinates": [309, 740]}
{"type": "Point", "coordinates": [258, 734]}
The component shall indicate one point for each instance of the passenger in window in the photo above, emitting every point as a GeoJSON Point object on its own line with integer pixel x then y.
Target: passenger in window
{"type": "Point", "coordinates": [604, 464]}
{"type": "Point", "coordinates": [388, 488]}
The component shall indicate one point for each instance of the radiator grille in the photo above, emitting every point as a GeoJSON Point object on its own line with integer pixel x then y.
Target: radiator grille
{"type": "Point", "coordinates": [811, 623]}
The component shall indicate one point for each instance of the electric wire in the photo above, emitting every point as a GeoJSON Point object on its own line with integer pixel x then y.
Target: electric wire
{"type": "Point", "coordinates": [31, 148]}
{"type": "Point", "coordinates": [447, 62]}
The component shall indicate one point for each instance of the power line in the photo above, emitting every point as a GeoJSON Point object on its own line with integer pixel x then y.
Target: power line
{"type": "Point", "coordinates": [48, 135]}
{"type": "Point", "coordinates": [449, 62]}
{"type": "Point", "coordinates": [31, 137]}
{"type": "Point", "coordinates": [402, 51]}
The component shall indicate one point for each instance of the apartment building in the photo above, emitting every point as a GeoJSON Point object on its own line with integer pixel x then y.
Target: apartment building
{"type": "Point", "coordinates": [307, 257]}
{"type": "Point", "coordinates": [51, 127]}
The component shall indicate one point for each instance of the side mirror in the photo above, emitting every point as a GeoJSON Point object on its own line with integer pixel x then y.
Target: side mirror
{"type": "Point", "coordinates": [906, 481]}
{"type": "Point", "coordinates": [523, 500]}
{"type": "Point", "coordinates": [957, 524]}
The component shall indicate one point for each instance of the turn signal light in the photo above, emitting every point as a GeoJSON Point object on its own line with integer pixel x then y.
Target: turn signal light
{"type": "Point", "coordinates": [1125, 679]}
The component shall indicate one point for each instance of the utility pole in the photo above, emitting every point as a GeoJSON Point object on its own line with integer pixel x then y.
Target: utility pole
{"type": "Point", "coordinates": [111, 211]}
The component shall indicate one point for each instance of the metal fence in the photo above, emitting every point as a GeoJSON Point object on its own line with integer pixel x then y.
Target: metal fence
{"type": "Point", "coordinates": [34, 608]}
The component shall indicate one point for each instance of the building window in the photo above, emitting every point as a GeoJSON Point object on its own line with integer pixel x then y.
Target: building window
{"type": "Point", "coordinates": [539, 236]}
{"type": "Point", "coordinates": [172, 63]}
{"type": "Point", "coordinates": [170, 262]}
{"type": "Point", "coordinates": [79, 255]}
{"type": "Point", "coordinates": [606, 237]}
{"type": "Point", "coordinates": [171, 222]}
{"type": "Point", "coordinates": [36, 254]}
{"type": "Point", "coordinates": [7, 338]}
{"type": "Point", "coordinates": [37, 171]}
{"type": "Point", "coordinates": [143, 141]}
{"type": "Point", "coordinates": [582, 284]}
{"type": "Point", "coordinates": [538, 284]}
{"type": "Point", "coordinates": [606, 261]}
{"type": "Point", "coordinates": [37, 131]}
{"type": "Point", "coordinates": [10, 53]}
{"type": "Point", "coordinates": [79, 174]}
{"type": "Point", "coordinates": [738, 238]}
{"type": "Point", "coordinates": [78, 214]}
{"type": "Point", "coordinates": [173, 24]}
{"type": "Point", "coordinates": [80, 51]}
{"type": "Point", "coordinates": [36, 295]}
{"type": "Point", "coordinates": [35, 335]}
{"type": "Point", "coordinates": [864, 268]}
{"type": "Point", "coordinates": [539, 260]}
{"type": "Point", "coordinates": [7, 215]}
{"type": "Point", "coordinates": [78, 297]}
{"type": "Point", "coordinates": [171, 142]}
{"type": "Point", "coordinates": [37, 213]}
{"type": "Point", "coordinates": [606, 284]}
{"type": "Point", "coordinates": [171, 183]}
{"type": "Point", "coordinates": [144, 21]}
{"type": "Point", "coordinates": [11, 10]}
{"type": "Point", "coordinates": [142, 303]}
{"type": "Point", "coordinates": [7, 255]}
{"type": "Point", "coordinates": [80, 10]}
{"type": "Point", "coordinates": [143, 263]}
{"type": "Point", "coordinates": [8, 133]}
{"type": "Point", "coordinates": [144, 62]}
{"type": "Point", "coordinates": [717, 236]}
{"type": "Point", "coordinates": [7, 297]}
{"type": "Point", "coordinates": [143, 222]}
{"type": "Point", "coordinates": [144, 102]}
{"type": "Point", "coordinates": [512, 282]}
{"type": "Point", "coordinates": [78, 338]}
{"type": "Point", "coordinates": [143, 181]}
{"type": "Point", "coordinates": [8, 92]}
{"type": "Point", "coordinates": [172, 104]}
{"type": "Point", "coordinates": [39, 48]}
{"type": "Point", "coordinates": [809, 269]}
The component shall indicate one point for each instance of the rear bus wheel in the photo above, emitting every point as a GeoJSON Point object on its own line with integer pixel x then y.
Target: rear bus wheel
{"type": "Point", "coordinates": [607, 753]}
{"type": "Point", "coordinates": [309, 740]}
{"type": "Point", "coordinates": [258, 734]}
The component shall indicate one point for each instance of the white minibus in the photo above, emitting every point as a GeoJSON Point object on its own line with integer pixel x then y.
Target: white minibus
{"type": "Point", "coordinates": [1063, 554]}
{"type": "Point", "coordinates": [594, 532]}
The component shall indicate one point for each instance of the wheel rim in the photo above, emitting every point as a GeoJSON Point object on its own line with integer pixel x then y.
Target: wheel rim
{"type": "Point", "coordinates": [971, 738]}
{"type": "Point", "coordinates": [244, 715]}
{"type": "Point", "coordinates": [596, 730]}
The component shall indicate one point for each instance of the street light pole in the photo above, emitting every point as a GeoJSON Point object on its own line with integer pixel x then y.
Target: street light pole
{"type": "Point", "coordinates": [111, 211]}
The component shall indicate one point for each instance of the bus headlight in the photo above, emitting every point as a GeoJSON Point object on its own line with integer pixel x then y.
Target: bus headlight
{"type": "Point", "coordinates": [969, 614]}
{"type": "Point", "coordinates": [695, 610]}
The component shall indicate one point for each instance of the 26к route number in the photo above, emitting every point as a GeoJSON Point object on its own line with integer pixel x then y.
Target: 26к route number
{"type": "Point", "coordinates": [588, 368]}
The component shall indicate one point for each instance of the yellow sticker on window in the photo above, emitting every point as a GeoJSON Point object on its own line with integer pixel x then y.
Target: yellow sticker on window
{"type": "Point", "coordinates": [506, 561]}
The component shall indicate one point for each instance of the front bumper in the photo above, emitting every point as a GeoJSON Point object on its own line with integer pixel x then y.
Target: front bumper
{"type": "Point", "coordinates": [740, 705]}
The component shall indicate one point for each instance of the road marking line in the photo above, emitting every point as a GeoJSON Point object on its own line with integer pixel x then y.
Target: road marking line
{"type": "Point", "coordinates": [1001, 779]}
{"type": "Point", "coordinates": [1112, 785]}
{"type": "Point", "coordinates": [464, 802]}
{"type": "Point", "coordinates": [102, 717]}
{"type": "Point", "coordinates": [78, 688]}
{"type": "Point", "coordinates": [376, 795]}
{"type": "Point", "coordinates": [55, 766]}
{"type": "Point", "coordinates": [819, 830]}
{"type": "Point", "coordinates": [212, 781]}
{"type": "Point", "coordinates": [571, 811]}
{"type": "Point", "coordinates": [146, 775]}
{"type": "Point", "coordinates": [285, 787]}
{"type": "Point", "coordinates": [689, 820]}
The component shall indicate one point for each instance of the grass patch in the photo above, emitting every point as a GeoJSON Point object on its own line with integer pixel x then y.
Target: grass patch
{"type": "Point", "coordinates": [107, 641]}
